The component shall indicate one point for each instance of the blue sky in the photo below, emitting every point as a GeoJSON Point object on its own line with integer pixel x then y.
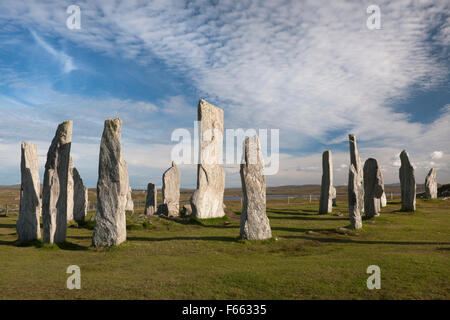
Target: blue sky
{"type": "Point", "coordinates": [311, 69]}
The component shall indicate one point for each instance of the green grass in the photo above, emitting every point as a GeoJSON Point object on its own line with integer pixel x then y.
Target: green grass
{"type": "Point", "coordinates": [185, 258]}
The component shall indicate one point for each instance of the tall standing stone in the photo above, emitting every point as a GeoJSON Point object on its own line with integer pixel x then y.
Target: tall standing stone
{"type": "Point", "coordinates": [383, 200]}
{"type": "Point", "coordinates": [431, 184]}
{"type": "Point", "coordinates": [356, 162]}
{"type": "Point", "coordinates": [407, 183]}
{"type": "Point", "coordinates": [354, 204]}
{"type": "Point", "coordinates": [54, 192]}
{"type": "Point", "coordinates": [171, 191]}
{"type": "Point", "coordinates": [373, 188]}
{"type": "Point", "coordinates": [80, 197]}
{"type": "Point", "coordinates": [130, 204]}
{"type": "Point", "coordinates": [112, 187]}
{"type": "Point", "coordinates": [254, 222]}
{"type": "Point", "coordinates": [70, 192]}
{"type": "Point", "coordinates": [28, 224]}
{"type": "Point", "coordinates": [207, 200]}
{"type": "Point", "coordinates": [327, 191]}
{"type": "Point", "coordinates": [151, 204]}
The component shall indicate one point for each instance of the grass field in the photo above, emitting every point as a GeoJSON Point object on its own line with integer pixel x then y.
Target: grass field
{"type": "Point", "coordinates": [310, 257]}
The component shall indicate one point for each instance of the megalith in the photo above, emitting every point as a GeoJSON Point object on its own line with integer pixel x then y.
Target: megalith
{"type": "Point", "coordinates": [28, 223]}
{"type": "Point", "coordinates": [70, 192]}
{"type": "Point", "coordinates": [254, 222]}
{"type": "Point", "coordinates": [207, 199]}
{"type": "Point", "coordinates": [354, 203]}
{"type": "Point", "coordinates": [356, 162]}
{"type": "Point", "coordinates": [151, 204]}
{"type": "Point", "coordinates": [431, 184]}
{"type": "Point", "coordinates": [407, 183]}
{"type": "Point", "coordinates": [80, 197]}
{"type": "Point", "coordinates": [327, 191]}
{"type": "Point", "coordinates": [54, 191]}
{"type": "Point", "coordinates": [130, 204]}
{"type": "Point", "coordinates": [112, 187]}
{"type": "Point", "coordinates": [373, 188]}
{"type": "Point", "coordinates": [171, 191]}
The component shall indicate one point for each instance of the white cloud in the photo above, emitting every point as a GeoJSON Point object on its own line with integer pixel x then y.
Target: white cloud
{"type": "Point", "coordinates": [436, 155]}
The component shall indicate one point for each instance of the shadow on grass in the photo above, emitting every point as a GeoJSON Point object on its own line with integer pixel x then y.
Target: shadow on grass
{"type": "Point", "coordinates": [336, 240]}
{"type": "Point", "coordinates": [39, 244]}
{"type": "Point", "coordinates": [309, 217]}
{"type": "Point", "coordinates": [8, 225]}
{"type": "Point", "coordinates": [222, 239]}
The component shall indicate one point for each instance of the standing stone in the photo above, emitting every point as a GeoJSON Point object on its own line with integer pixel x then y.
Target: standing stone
{"type": "Point", "coordinates": [80, 197]}
{"type": "Point", "coordinates": [112, 187]}
{"type": "Point", "coordinates": [171, 191]}
{"type": "Point", "coordinates": [130, 204]}
{"type": "Point", "coordinates": [354, 204]}
{"type": "Point", "coordinates": [28, 224]}
{"type": "Point", "coordinates": [187, 210]}
{"type": "Point", "coordinates": [151, 202]}
{"type": "Point", "coordinates": [333, 197]}
{"type": "Point", "coordinates": [254, 222]}
{"type": "Point", "coordinates": [431, 184]}
{"type": "Point", "coordinates": [327, 191]}
{"type": "Point", "coordinates": [207, 200]}
{"type": "Point", "coordinates": [54, 193]}
{"type": "Point", "coordinates": [70, 193]}
{"type": "Point", "coordinates": [407, 183]}
{"type": "Point", "coordinates": [356, 162]}
{"type": "Point", "coordinates": [373, 188]}
{"type": "Point", "coordinates": [383, 200]}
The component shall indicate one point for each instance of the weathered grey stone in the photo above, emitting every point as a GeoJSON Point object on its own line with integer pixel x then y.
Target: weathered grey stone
{"type": "Point", "coordinates": [327, 191]}
{"type": "Point", "coordinates": [80, 197]}
{"type": "Point", "coordinates": [54, 192]}
{"type": "Point", "coordinates": [151, 204]}
{"type": "Point", "coordinates": [354, 204]}
{"type": "Point", "coordinates": [407, 183]}
{"type": "Point", "coordinates": [383, 200]}
{"type": "Point", "coordinates": [431, 184]}
{"type": "Point", "coordinates": [171, 191]}
{"type": "Point", "coordinates": [70, 192]}
{"type": "Point", "coordinates": [187, 210]}
{"type": "Point", "coordinates": [333, 197]}
{"type": "Point", "coordinates": [130, 204]}
{"type": "Point", "coordinates": [28, 224]}
{"type": "Point", "coordinates": [254, 222]}
{"type": "Point", "coordinates": [112, 188]}
{"type": "Point", "coordinates": [207, 200]}
{"type": "Point", "coordinates": [373, 188]}
{"type": "Point", "coordinates": [356, 162]}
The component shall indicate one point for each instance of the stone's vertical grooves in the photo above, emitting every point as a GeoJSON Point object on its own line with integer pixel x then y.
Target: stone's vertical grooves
{"type": "Point", "coordinates": [28, 224]}
{"type": "Point", "coordinates": [407, 183]}
{"type": "Point", "coordinates": [356, 162]}
{"type": "Point", "coordinates": [151, 203]}
{"type": "Point", "coordinates": [112, 187]}
{"type": "Point", "coordinates": [80, 197]}
{"type": "Point", "coordinates": [207, 200]}
{"type": "Point", "coordinates": [70, 192]}
{"type": "Point", "coordinates": [431, 184]}
{"type": "Point", "coordinates": [354, 204]}
{"type": "Point", "coordinates": [171, 192]}
{"type": "Point", "coordinates": [327, 191]}
{"type": "Point", "coordinates": [373, 188]}
{"type": "Point", "coordinates": [54, 192]}
{"type": "Point", "coordinates": [254, 222]}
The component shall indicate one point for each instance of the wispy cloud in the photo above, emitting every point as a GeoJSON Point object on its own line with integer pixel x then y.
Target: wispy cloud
{"type": "Point", "coordinates": [63, 59]}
